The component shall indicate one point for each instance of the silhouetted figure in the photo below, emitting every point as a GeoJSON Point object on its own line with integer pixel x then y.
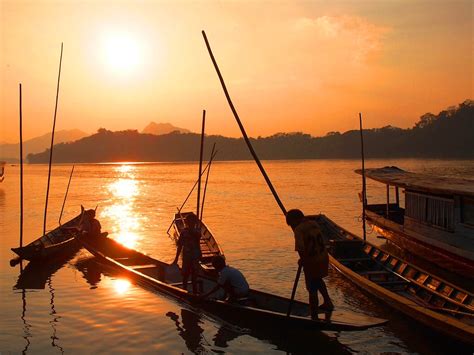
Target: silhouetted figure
{"type": "Point", "coordinates": [230, 279]}
{"type": "Point", "coordinates": [189, 245]}
{"type": "Point", "coordinates": [90, 225]}
{"type": "Point", "coordinates": [314, 258]}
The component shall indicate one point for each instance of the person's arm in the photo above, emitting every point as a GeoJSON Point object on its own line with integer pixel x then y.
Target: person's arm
{"type": "Point", "coordinates": [178, 251]}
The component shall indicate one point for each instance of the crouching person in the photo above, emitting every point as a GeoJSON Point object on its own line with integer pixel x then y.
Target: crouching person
{"type": "Point", "coordinates": [231, 280]}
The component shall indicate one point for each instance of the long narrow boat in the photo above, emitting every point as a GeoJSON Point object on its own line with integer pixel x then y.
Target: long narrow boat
{"type": "Point", "coordinates": [209, 245]}
{"type": "Point", "coordinates": [52, 242]}
{"type": "Point", "coordinates": [426, 298]}
{"type": "Point", "coordinates": [260, 307]}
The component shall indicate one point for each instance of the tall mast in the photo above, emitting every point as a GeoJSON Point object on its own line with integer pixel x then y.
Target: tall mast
{"type": "Point", "coordinates": [200, 162]}
{"type": "Point", "coordinates": [52, 141]}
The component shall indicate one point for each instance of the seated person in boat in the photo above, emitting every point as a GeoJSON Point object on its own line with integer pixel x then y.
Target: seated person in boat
{"type": "Point", "coordinates": [90, 225]}
{"type": "Point", "coordinates": [230, 279]}
{"type": "Point", "coordinates": [189, 244]}
{"type": "Point", "coordinates": [314, 258]}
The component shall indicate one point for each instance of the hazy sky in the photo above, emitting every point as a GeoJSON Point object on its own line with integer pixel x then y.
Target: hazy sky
{"type": "Point", "coordinates": [290, 66]}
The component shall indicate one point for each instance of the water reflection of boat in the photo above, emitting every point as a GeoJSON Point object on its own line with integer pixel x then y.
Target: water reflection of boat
{"type": "Point", "coordinates": [437, 222]}
{"type": "Point", "coordinates": [266, 308]}
{"type": "Point", "coordinates": [291, 341]}
{"type": "Point", "coordinates": [36, 273]}
{"type": "Point", "coordinates": [407, 288]}
{"type": "Point", "coordinates": [209, 245]}
{"type": "Point", "coordinates": [52, 242]}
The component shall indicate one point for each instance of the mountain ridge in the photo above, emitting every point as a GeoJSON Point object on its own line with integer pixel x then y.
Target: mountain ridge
{"type": "Point", "coordinates": [446, 135]}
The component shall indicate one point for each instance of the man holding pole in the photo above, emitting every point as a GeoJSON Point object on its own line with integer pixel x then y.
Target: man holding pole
{"type": "Point", "coordinates": [314, 259]}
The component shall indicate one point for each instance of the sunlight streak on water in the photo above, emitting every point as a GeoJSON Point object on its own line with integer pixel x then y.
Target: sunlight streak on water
{"type": "Point", "coordinates": [121, 286]}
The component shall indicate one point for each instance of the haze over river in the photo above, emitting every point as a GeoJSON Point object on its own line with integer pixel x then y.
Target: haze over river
{"type": "Point", "coordinates": [81, 308]}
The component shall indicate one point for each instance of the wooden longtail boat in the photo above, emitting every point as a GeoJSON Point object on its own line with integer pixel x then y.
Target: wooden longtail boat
{"type": "Point", "coordinates": [436, 221]}
{"type": "Point", "coordinates": [265, 308]}
{"type": "Point", "coordinates": [426, 298]}
{"type": "Point", "coordinates": [52, 242]}
{"type": "Point", "coordinates": [209, 245]}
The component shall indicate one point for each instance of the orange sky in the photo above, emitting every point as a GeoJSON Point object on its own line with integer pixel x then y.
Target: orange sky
{"type": "Point", "coordinates": [289, 66]}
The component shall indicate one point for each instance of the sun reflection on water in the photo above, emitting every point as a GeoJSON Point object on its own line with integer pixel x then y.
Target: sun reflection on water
{"type": "Point", "coordinates": [126, 222]}
{"type": "Point", "coordinates": [121, 286]}
{"type": "Point", "coordinates": [124, 188]}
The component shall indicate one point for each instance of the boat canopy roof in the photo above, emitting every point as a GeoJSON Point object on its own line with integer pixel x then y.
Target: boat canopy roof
{"type": "Point", "coordinates": [394, 176]}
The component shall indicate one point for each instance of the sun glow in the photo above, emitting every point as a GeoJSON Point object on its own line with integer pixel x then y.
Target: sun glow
{"type": "Point", "coordinates": [121, 286]}
{"type": "Point", "coordinates": [122, 52]}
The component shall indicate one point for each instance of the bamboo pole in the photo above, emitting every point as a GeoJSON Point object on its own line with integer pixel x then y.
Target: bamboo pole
{"type": "Point", "coordinates": [200, 163]}
{"type": "Point", "coordinates": [242, 129]}
{"type": "Point", "coordinates": [364, 193]}
{"type": "Point", "coordinates": [52, 141]}
{"type": "Point", "coordinates": [205, 185]}
{"type": "Point", "coordinates": [21, 168]}
{"type": "Point", "coordinates": [65, 196]}
{"type": "Point", "coordinates": [255, 157]}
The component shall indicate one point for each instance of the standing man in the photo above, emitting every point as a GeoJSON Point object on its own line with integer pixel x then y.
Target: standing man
{"type": "Point", "coordinates": [189, 243]}
{"type": "Point", "coordinates": [314, 258]}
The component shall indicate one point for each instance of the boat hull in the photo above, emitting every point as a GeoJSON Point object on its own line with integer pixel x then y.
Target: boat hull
{"type": "Point", "coordinates": [411, 281]}
{"type": "Point", "coordinates": [234, 312]}
{"type": "Point", "coordinates": [449, 260]}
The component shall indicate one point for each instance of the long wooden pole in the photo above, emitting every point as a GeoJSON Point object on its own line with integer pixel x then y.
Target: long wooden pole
{"type": "Point", "coordinates": [293, 292]}
{"type": "Point", "coordinates": [205, 185]}
{"type": "Point", "coordinates": [65, 196]}
{"type": "Point", "coordinates": [364, 194]}
{"type": "Point", "coordinates": [52, 141]}
{"type": "Point", "coordinates": [255, 157]}
{"type": "Point", "coordinates": [21, 169]}
{"type": "Point", "coordinates": [242, 129]}
{"type": "Point", "coordinates": [200, 163]}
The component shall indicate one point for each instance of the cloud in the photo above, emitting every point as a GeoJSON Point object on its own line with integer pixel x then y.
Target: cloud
{"type": "Point", "coordinates": [351, 36]}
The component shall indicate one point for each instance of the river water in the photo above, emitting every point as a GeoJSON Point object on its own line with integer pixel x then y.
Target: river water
{"type": "Point", "coordinates": [79, 307]}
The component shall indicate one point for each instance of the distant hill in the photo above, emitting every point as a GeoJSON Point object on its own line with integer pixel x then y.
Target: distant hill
{"type": "Point", "coordinates": [450, 134]}
{"type": "Point", "coordinates": [11, 152]}
{"type": "Point", "coordinates": [162, 128]}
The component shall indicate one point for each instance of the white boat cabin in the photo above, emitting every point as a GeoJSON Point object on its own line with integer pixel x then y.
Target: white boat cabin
{"type": "Point", "coordinates": [438, 208]}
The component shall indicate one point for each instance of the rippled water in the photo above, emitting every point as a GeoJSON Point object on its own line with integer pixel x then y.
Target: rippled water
{"type": "Point", "coordinates": [80, 307]}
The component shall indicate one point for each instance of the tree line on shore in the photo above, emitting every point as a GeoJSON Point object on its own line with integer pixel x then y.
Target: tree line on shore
{"type": "Point", "coordinates": [449, 134]}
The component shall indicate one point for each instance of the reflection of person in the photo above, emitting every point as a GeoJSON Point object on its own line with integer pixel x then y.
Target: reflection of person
{"type": "Point", "coordinates": [189, 244]}
{"type": "Point", "coordinates": [230, 279]}
{"type": "Point", "coordinates": [314, 258]}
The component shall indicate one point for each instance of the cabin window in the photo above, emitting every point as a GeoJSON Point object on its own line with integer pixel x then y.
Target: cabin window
{"type": "Point", "coordinates": [433, 210]}
{"type": "Point", "coordinates": [467, 210]}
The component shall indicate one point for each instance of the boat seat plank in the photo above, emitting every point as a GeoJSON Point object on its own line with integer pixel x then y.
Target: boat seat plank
{"type": "Point", "coordinates": [144, 266]}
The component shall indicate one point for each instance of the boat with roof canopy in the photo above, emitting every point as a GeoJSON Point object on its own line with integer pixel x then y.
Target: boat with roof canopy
{"type": "Point", "coordinates": [436, 221]}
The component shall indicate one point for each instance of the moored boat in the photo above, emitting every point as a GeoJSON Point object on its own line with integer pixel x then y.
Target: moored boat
{"type": "Point", "coordinates": [209, 245]}
{"type": "Point", "coordinates": [436, 221]}
{"type": "Point", "coordinates": [52, 242]}
{"type": "Point", "coordinates": [422, 296]}
{"type": "Point", "coordinates": [259, 308]}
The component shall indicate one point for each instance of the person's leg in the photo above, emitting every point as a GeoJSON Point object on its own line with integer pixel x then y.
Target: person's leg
{"type": "Point", "coordinates": [194, 271]}
{"type": "Point", "coordinates": [327, 304]}
{"type": "Point", "coordinates": [313, 304]}
{"type": "Point", "coordinates": [185, 271]}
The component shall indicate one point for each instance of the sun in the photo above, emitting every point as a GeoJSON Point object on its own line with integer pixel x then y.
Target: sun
{"type": "Point", "coordinates": [122, 52]}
